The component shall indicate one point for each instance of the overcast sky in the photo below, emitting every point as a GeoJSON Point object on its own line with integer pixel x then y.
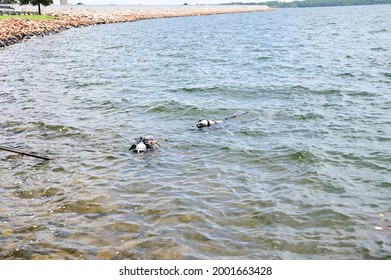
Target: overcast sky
{"type": "Point", "coordinates": [152, 2]}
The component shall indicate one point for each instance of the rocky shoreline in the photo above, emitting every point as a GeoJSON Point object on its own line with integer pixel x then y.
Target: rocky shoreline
{"type": "Point", "coordinates": [14, 30]}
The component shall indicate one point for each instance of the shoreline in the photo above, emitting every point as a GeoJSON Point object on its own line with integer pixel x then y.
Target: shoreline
{"type": "Point", "coordinates": [14, 30]}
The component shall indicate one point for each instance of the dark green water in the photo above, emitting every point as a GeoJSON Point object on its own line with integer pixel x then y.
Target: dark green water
{"type": "Point", "coordinates": [304, 175]}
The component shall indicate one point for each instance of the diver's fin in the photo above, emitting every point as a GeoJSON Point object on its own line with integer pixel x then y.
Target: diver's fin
{"type": "Point", "coordinates": [132, 147]}
{"type": "Point", "coordinates": [235, 114]}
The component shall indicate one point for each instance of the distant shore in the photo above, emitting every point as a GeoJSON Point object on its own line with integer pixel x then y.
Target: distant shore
{"type": "Point", "coordinates": [15, 30]}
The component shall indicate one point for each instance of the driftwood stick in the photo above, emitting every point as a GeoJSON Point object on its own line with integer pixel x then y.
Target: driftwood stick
{"type": "Point", "coordinates": [22, 153]}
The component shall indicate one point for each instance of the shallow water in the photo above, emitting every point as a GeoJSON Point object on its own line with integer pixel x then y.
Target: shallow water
{"type": "Point", "coordinates": [304, 175]}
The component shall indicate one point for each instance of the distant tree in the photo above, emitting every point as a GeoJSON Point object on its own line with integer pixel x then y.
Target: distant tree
{"type": "Point", "coordinates": [36, 3]}
{"type": "Point", "coordinates": [312, 3]}
{"type": "Point", "coordinates": [8, 1]}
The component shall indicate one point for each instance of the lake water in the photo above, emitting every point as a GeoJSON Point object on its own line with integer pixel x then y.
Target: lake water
{"type": "Point", "coordinates": [305, 174]}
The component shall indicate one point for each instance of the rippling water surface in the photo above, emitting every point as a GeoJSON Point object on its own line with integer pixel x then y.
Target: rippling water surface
{"type": "Point", "coordinates": [304, 175]}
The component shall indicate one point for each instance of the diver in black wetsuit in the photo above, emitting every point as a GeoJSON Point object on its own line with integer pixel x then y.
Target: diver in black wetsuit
{"type": "Point", "coordinates": [144, 144]}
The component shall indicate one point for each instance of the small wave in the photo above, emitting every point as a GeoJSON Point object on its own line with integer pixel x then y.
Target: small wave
{"type": "Point", "coordinates": [124, 227]}
{"type": "Point", "coordinates": [224, 92]}
{"type": "Point", "coordinates": [300, 89]}
{"type": "Point", "coordinates": [327, 92]}
{"type": "Point", "coordinates": [83, 207]}
{"type": "Point", "coordinates": [378, 31]}
{"type": "Point", "coordinates": [85, 85]}
{"type": "Point", "coordinates": [272, 218]}
{"type": "Point", "coordinates": [37, 193]}
{"type": "Point", "coordinates": [9, 125]}
{"type": "Point", "coordinates": [254, 133]}
{"type": "Point", "coordinates": [52, 131]}
{"type": "Point", "coordinates": [346, 74]}
{"type": "Point", "coordinates": [197, 89]}
{"type": "Point", "coordinates": [328, 218]}
{"type": "Point", "coordinates": [360, 94]}
{"type": "Point", "coordinates": [303, 156]}
{"type": "Point", "coordinates": [379, 49]}
{"type": "Point", "coordinates": [171, 106]}
{"type": "Point", "coordinates": [264, 57]}
{"type": "Point", "coordinates": [385, 184]}
{"type": "Point", "coordinates": [308, 116]}
{"type": "Point", "coordinates": [53, 127]}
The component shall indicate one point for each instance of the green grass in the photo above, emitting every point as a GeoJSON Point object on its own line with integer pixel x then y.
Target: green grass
{"type": "Point", "coordinates": [32, 17]}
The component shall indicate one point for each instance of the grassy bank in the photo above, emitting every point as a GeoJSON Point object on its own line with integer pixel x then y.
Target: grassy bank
{"type": "Point", "coordinates": [31, 17]}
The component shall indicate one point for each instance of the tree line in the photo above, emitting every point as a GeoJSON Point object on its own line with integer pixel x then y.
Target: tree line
{"type": "Point", "coordinates": [272, 4]}
{"type": "Point", "coordinates": [31, 2]}
{"type": "Point", "coordinates": [313, 3]}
